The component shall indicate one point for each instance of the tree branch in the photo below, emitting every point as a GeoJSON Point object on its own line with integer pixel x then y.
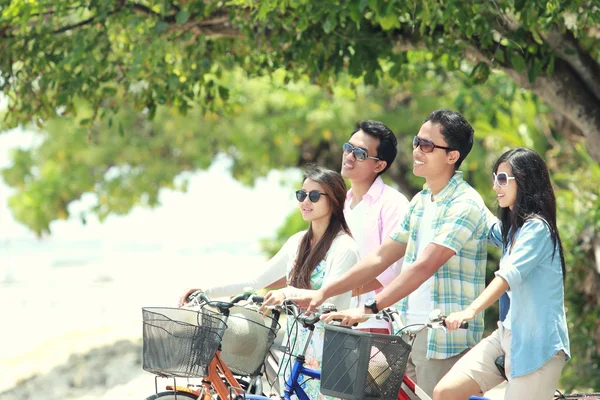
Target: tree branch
{"type": "Point", "coordinates": [565, 92]}
{"type": "Point", "coordinates": [585, 66]}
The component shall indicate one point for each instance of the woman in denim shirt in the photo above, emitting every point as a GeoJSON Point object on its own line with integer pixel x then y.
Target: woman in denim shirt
{"type": "Point", "coordinates": [533, 334]}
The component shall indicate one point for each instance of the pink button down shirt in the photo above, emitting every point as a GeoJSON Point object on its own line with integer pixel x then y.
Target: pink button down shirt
{"type": "Point", "coordinates": [384, 208]}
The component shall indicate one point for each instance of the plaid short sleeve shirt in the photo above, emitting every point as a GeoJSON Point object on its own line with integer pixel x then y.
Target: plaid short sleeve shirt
{"type": "Point", "coordinates": [461, 225]}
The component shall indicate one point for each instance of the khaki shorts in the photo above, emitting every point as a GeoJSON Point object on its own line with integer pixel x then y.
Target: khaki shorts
{"type": "Point", "coordinates": [478, 364]}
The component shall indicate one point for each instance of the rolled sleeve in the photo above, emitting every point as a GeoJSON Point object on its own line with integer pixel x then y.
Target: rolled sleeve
{"type": "Point", "coordinates": [459, 225]}
{"type": "Point", "coordinates": [391, 217]}
{"type": "Point", "coordinates": [401, 233]}
{"type": "Point", "coordinates": [532, 243]}
{"type": "Point", "coordinates": [494, 229]}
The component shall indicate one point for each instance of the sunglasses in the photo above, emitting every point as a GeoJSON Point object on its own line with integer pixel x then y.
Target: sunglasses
{"type": "Point", "coordinates": [502, 179]}
{"type": "Point", "coordinates": [359, 154]}
{"type": "Point", "coordinates": [313, 195]}
{"type": "Point", "coordinates": [427, 146]}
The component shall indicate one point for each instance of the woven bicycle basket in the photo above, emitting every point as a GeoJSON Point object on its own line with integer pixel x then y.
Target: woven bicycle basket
{"type": "Point", "coordinates": [247, 340]}
{"type": "Point", "coordinates": [362, 365]}
{"type": "Point", "coordinates": [179, 342]}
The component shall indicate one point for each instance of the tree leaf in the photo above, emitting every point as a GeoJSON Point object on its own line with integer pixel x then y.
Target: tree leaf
{"type": "Point", "coordinates": [330, 23]}
{"type": "Point", "coordinates": [518, 62]}
{"type": "Point", "coordinates": [363, 5]}
{"type": "Point", "coordinates": [182, 17]}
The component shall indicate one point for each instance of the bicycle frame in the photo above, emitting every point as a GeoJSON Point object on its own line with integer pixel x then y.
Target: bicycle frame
{"type": "Point", "coordinates": [223, 383]}
{"type": "Point", "coordinates": [292, 383]}
{"type": "Point", "coordinates": [412, 388]}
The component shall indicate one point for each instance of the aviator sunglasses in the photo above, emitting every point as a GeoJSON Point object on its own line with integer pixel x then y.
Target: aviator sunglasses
{"type": "Point", "coordinates": [359, 154]}
{"type": "Point", "coordinates": [502, 178]}
{"type": "Point", "coordinates": [427, 146]}
{"type": "Point", "coordinates": [313, 195]}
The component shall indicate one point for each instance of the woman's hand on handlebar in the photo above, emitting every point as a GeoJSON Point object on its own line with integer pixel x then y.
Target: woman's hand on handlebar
{"type": "Point", "coordinates": [272, 298]}
{"type": "Point", "coordinates": [307, 299]}
{"type": "Point", "coordinates": [349, 317]}
{"type": "Point", "coordinates": [183, 300]}
{"type": "Point", "coordinates": [454, 320]}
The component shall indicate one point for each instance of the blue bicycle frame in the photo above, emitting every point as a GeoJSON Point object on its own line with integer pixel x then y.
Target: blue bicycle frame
{"type": "Point", "coordinates": [292, 383]}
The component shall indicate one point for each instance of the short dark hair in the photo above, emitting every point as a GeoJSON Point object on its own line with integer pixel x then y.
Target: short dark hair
{"type": "Point", "coordinates": [388, 144]}
{"type": "Point", "coordinates": [456, 130]}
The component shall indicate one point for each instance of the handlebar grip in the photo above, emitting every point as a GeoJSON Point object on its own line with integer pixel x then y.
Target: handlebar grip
{"type": "Point", "coordinates": [310, 321]}
{"type": "Point", "coordinates": [239, 298]}
{"type": "Point", "coordinates": [258, 299]}
{"type": "Point", "coordinates": [463, 325]}
{"type": "Point", "coordinates": [200, 295]}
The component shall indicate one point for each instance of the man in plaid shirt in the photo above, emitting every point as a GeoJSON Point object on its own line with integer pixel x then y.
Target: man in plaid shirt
{"type": "Point", "coordinates": [444, 240]}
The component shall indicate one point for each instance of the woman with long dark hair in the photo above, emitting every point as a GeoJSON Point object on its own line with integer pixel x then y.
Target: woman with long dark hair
{"type": "Point", "coordinates": [532, 331]}
{"type": "Point", "coordinates": [306, 261]}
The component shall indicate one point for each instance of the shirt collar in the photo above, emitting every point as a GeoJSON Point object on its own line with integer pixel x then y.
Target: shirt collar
{"type": "Point", "coordinates": [449, 189]}
{"type": "Point", "coordinates": [374, 192]}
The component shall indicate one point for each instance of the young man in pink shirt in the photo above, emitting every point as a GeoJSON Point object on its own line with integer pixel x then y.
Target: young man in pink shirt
{"type": "Point", "coordinates": [372, 209]}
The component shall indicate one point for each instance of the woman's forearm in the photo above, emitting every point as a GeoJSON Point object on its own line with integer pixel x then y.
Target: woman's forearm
{"type": "Point", "coordinates": [491, 293]}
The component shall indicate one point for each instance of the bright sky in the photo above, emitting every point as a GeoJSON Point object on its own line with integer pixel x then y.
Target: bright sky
{"type": "Point", "coordinates": [217, 211]}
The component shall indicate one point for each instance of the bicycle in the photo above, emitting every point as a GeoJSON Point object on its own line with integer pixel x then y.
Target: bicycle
{"type": "Point", "coordinates": [187, 343]}
{"type": "Point", "coordinates": [410, 390]}
{"type": "Point", "coordinates": [217, 378]}
{"type": "Point", "coordinates": [379, 364]}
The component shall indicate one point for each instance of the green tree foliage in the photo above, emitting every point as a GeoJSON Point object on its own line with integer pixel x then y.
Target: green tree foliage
{"type": "Point", "coordinates": [132, 93]}
{"type": "Point", "coordinates": [175, 52]}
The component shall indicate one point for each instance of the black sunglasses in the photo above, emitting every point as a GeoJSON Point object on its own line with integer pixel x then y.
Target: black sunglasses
{"type": "Point", "coordinates": [313, 195]}
{"type": "Point", "coordinates": [359, 154]}
{"type": "Point", "coordinates": [427, 146]}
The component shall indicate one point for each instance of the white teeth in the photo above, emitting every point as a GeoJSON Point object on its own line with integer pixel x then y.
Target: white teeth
{"type": "Point", "coordinates": [419, 162]}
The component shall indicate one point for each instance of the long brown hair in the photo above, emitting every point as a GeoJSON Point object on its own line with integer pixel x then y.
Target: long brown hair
{"type": "Point", "coordinates": [308, 258]}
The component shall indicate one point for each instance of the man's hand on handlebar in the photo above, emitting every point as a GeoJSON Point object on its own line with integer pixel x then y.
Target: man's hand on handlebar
{"type": "Point", "coordinates": [349, 317]}
{"type": "Point", "coordinates": [454, 320]}
{"type": "Point", "coordinates": [183, 300]}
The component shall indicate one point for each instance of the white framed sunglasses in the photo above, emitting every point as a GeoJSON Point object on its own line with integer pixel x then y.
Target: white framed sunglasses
{"type": "Point", "coordinates": [502, 178]}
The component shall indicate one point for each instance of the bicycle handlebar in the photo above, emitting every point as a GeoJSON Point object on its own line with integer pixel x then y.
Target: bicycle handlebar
{"type": "Point", "coordinates": [436, 321]}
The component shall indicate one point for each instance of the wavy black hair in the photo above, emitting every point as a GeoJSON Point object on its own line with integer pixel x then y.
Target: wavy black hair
{"type": "Point", "coordinates": [309, 257]}
{"type": "Point", "coordinates": [535, 197]}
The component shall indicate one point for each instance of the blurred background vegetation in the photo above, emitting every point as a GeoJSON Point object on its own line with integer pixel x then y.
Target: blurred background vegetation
{"type": "Point", "coordinates": [128, 95]}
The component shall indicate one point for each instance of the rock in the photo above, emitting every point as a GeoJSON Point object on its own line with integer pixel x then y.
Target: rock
{"type": "Point", "coordinates": [86, 375]}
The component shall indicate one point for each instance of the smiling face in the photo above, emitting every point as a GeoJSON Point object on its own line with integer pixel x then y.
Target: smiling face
{"type": "Point", "coordinates": [314, 211]}
{"type": "Point", "coordinates": [507, 195]}
{"type": "Point", "coordinates": [368, 169]}
{"type": "Point", "coordinates": [437, 163]}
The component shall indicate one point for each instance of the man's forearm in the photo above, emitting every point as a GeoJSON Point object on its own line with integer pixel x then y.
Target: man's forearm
{"type": "Point", "coordinates": [413, 275]}
{"type": "Point", "coordinates": [365, 270]}
{"type": "Point", "coordinates": [404, 284]}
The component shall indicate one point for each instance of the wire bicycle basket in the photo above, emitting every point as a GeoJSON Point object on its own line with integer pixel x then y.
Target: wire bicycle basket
{"type": "Point", "coordinates": [362, 365]}
{"type": "Point", "coordinates": [180, 342]}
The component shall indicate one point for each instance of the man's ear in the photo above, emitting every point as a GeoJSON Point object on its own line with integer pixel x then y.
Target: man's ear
{"type": "Point", "coordinates": [453, 156]}
{"type": "Point", "coordinates": [380, 166]}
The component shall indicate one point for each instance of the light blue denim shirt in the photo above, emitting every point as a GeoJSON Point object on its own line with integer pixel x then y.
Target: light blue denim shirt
{"type": "Point", "coordinates": [534, 275]}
